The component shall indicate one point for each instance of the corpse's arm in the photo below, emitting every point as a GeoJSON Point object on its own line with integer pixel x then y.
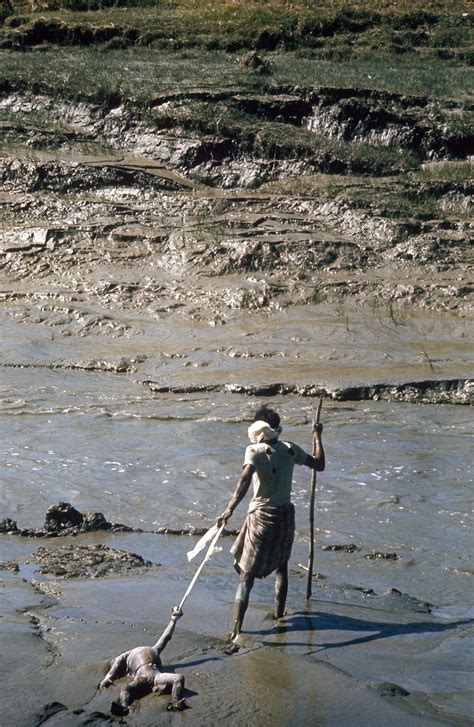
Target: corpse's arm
{"type": "Point", "coordinates": [240, 491]}
{"type": "Point", "coordinates": [118, 669]}
{"type": "Point", "coordinates": [176, 613]}
{"type": "Point", "coordinates": [318, 461]}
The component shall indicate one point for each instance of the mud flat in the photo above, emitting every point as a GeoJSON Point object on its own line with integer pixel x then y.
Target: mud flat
{"type": "Point", "coordinates": [386, 634]}
{"type": "Point", "coordinates": [60, 632]}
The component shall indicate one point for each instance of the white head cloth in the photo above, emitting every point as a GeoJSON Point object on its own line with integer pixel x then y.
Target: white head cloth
{"type": "Point", "coordinates": [262, 432]}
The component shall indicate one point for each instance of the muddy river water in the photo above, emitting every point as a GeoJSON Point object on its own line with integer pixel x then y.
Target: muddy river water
{"type": "Point", "coordinates": [399, 477]}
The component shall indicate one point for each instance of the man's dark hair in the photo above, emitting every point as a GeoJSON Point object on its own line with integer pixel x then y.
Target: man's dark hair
{"type": "Point", "coordinates": [265, 414]}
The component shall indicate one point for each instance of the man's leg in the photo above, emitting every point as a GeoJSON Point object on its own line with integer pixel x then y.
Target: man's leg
{"type": "Point", "coordinates": [246, 582]}
{"type": "Point", "coordinates": [281, 590]}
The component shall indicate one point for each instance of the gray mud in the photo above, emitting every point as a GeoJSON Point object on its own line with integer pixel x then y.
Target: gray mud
{"type": "Point", "coordinates": [124, 243]}
{"type": "Point", "coordinates": [69, 629]}
{"type": "Point", "coordinates": [91, 561]}
{"type": "Point", "coordinates": [298, 273]}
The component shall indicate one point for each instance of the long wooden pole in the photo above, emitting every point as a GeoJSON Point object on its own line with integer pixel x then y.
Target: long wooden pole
{"type": "Point", "coordinates": [311, 508]}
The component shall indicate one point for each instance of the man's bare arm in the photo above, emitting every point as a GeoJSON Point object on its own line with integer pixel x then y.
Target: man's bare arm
{"type": "Point", "coordinates": [117, 670]}
{"type": "Point", "coordinates": [318, 462]}
{"type": "Point", "coordinates": [240, 491]}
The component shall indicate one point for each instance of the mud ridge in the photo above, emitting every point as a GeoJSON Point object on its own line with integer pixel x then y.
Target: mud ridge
{"type": "Point", "coordinates": [449, 391]}
{"type": "Point", "coordinates": [63, 520]}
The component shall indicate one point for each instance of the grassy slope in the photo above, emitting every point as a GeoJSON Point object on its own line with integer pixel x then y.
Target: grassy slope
{"type": "Point", "coordinates": [332, 44]}
{"type": "Point", "coordinates": [333, 26]}
{"type": "Point", "coordinates": [418, 47]}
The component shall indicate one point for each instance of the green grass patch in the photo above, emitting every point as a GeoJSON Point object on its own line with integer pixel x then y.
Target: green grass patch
{"type": "Point", "coordinates": [386, 72]}
{"type": "Point", "coordinates": [446, 172]}
{"type": "Point", "coordinates": [137, 73]}
{"type": "Point", "coordinates": [142, 72]}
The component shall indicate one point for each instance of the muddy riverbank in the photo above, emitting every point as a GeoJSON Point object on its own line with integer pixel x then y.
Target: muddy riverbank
{"type": "Point", "coordinates": [325, 229]}
{"type": "Point", "coordinates": [313, 228]}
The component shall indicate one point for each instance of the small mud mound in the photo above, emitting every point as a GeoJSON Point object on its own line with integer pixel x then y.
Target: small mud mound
{"type": "Point", "coordinates": [63, 519]}
{"type": "Point", "coordinates": [347, 548]}
{"type": "Point", "coordinates": [253, 62]}
{"type": "Point", "coordinates": [405, 602]}
{"type": "Point", "coordinates": [88, 561]}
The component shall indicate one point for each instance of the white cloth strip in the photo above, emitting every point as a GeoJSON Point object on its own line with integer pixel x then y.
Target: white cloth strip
{"type": "Point", "coordinates": [204, 561]}
{"type": "Point", "coordinates": [202, 542]}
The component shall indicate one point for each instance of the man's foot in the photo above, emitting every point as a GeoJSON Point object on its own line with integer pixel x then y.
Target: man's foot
{"type": "Point", "coordinates": [231, 648]}
{"type": "Point", "coordinates": [177, 705]}
{"type": "Point", "coordinates": [233, 636]}
{"type": "Point", "coordinates": [118, 710]}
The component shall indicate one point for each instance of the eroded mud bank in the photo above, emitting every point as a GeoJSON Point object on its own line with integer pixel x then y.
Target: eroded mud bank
{"type": "Point", "coordinates": [113, 244]}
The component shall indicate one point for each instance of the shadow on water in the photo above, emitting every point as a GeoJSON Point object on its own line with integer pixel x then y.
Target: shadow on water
{"type": "Point", "coordinates": [306, 621]}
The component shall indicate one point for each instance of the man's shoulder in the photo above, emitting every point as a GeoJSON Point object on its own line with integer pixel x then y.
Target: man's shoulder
{"type": "Point", "coordinates": [286, 443]}
{"type": "Point", "coordinates": [297, 452]}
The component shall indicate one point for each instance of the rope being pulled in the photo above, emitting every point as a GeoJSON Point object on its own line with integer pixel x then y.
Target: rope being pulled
{"type": "Point", "coordinates": [212, 534]}
{"type": "Point", "coordinates": [215, 532]}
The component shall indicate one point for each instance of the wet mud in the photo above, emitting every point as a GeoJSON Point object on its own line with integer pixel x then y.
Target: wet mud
{"type": "Point", "coordinates": [64, 520]}
{"type": "Point", "coordinates": [418, 392]}
{"type": "Point", "coordinates": [297, 203]}
{"type": "Point", "coordinates": [91, 561]}
{"type": "Point", "coordinates": [78, 628]}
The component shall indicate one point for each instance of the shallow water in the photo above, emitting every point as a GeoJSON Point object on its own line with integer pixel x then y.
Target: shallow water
{"type": "Point", "coordinates": [398, 477]}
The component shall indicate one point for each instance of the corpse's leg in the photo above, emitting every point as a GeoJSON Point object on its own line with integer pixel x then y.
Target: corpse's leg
{"type": "Point", "coordinates": [169, 682]}
{"type": "Point", "coordinates": [135, 689]}
{"type": "Point", "coordinates": [246, 582]}
{"type": "Point", "coordinates": [281, 590]}
{"type": "Point", "coordinates": [175, 684]}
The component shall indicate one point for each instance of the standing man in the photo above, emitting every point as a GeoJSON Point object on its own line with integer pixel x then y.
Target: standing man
{"type": "Point", "coordinates": [264, 543]}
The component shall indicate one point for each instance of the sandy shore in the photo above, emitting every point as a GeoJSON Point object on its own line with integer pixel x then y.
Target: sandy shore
{"type": "Point", "coordinates": [342, 658]}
